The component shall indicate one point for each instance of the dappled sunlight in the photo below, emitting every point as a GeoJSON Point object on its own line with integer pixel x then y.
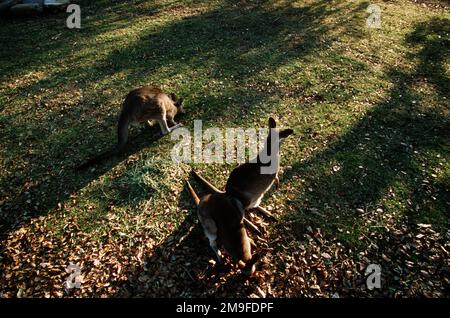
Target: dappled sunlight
{"type": "Point", "coordinates": [365, 176]}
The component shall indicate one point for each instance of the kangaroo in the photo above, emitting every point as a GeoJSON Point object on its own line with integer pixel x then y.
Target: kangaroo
{"type": "Point", "coordinates": [248, 182]}
{"type": "Point", "coordinates": [149, 103]}
{"type": "Point", "coordinates": [146, 104]}
{"type": "Point", "coordinates": [213, 190]}
{"type": "Point", "coordinates": [222, 219]}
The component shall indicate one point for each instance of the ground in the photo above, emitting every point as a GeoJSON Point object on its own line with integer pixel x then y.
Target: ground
{"type": "Point", "coordinates": [365, 177]}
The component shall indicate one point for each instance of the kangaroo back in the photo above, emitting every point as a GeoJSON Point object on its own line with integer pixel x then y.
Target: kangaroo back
{"type": "Point", "coordinates": [250, 181]}
{"type": "Point", "coordinates": [228, 214]}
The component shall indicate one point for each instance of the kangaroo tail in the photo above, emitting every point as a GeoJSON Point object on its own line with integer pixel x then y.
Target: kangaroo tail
{"type": "Point", "coordinates": [122, 130]}
{"type": "Point", "coordinates": [193, 194]}
{"type": "Point", "coordinates": [122, 134]}
{"type": "Point", "coordinates": [206, 183]}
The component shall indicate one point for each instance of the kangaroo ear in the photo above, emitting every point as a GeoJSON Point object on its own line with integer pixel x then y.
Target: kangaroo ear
{"type": "Point", "coordinates": [179, 105]}
{"type": "Point", "coordinates": [272, 123]}
{"type": "Point", "coordinates": [285, 133]}
{"type": "Point", "coordinates": [173, 97]}
{"type": "Point", "coordinates": [179, 102]}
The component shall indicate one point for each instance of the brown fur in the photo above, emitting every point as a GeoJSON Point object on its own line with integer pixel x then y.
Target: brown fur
{"type": "Point", "coordinates": [212, 189]}
{"type": "Point", "coordinates": [247, 183]}
{"type": "Point", "coordinates": [145, 104]}
{"type": "Point", "coordinates": [149, 103]}
{"type": "Point", "coordinates": [222, 219]}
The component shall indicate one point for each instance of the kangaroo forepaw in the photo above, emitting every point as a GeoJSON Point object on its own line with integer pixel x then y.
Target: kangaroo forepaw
{"type": "Point", "coordinates": [176, 126]}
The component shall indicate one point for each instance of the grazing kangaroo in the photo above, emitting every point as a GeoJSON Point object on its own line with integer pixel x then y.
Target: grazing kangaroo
{"type": "Point", "coordinates": [222, 219]}
{"type": "Point", "coordinates": [145, 104]}
{"type": "Point", "coordinates": [249, 182]}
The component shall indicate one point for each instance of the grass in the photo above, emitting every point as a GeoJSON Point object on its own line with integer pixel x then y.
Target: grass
{"type": "Point", "coordinates": [370, 155]}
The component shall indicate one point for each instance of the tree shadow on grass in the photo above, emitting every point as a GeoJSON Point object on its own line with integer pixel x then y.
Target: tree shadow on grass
{"type": "Point", "coordinates": [362, 166]}
{"type": "Point", "coordinates": [57, 186]}
{"type": "Point", "coordinates": [383, 163]}
{"type": "Point", "coordinates": [46, 35]}
{"type": "Point", "coordinates": [232, 43]}
{"type": "Point", "coordinates": [226, 43]}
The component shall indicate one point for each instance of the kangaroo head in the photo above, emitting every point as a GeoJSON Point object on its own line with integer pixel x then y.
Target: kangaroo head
{"type": "Point", "coordinates": [178, 102]}
{"type": "Point", "coordinates": [282, 133]}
